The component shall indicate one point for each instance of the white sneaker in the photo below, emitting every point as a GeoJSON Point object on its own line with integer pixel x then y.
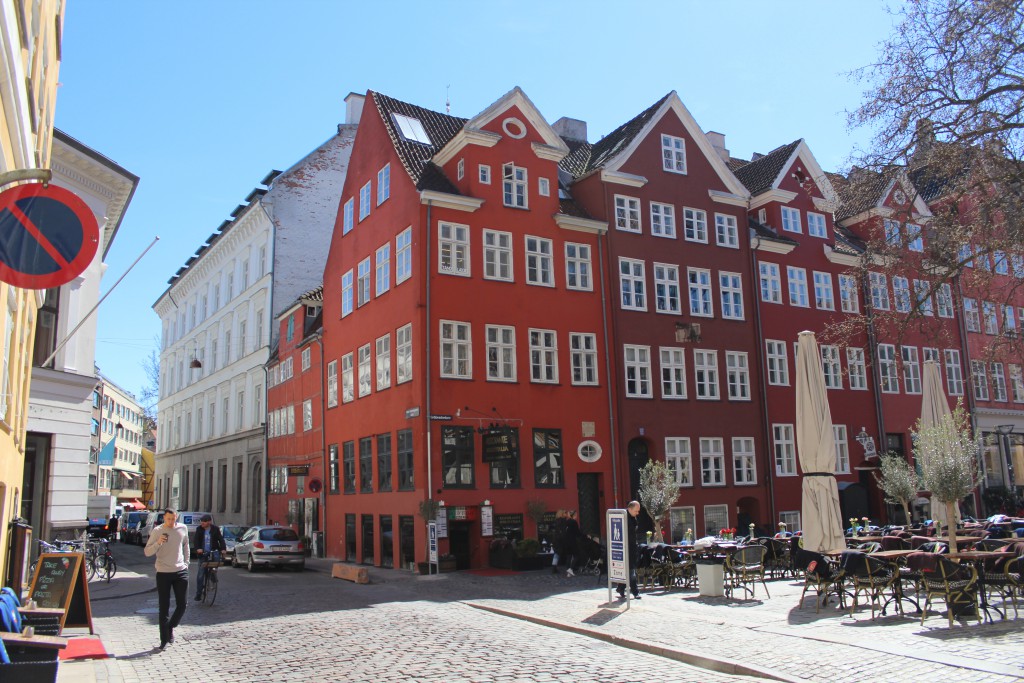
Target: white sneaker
{"type": "Point", "coordinates": [570, 572]}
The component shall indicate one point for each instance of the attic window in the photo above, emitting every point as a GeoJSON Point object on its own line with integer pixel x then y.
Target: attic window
{"type": "Point", "coordinates": [411, 128]}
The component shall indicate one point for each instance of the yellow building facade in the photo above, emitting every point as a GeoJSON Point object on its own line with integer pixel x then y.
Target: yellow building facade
{"type": "Point", "coordinates": [30, 33]}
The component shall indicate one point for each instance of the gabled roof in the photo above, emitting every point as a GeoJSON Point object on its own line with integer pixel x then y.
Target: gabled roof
{"type": "Point", "coordinates": [760, 175]}
{"type": "Point", "coordinates": [862, 191]}
{"type": "Point", "coordinates": [312, 296]}
{"type": "Point", "coordinates": [767, 232]}
{"type": "Point", "coordinates": [586, 157]}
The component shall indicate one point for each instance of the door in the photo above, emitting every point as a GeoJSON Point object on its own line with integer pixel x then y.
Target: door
{"type": "Point", "coordinates": [638, 457]}
{"type": "Point", "coordinates": [588, 487]}
{"type": "Point", "coordinates": [459, 543]}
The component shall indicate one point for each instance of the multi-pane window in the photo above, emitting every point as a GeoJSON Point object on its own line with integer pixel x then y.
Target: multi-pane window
{"type": "Point", "coordinates": [484, 173]}
{"type": "Point", "coordinates": [363, 285]}
{"type": "Point", "coordinates": [403, 353]}
{"type": "Point", "coordinates": [922, 297]}
{"type": "Point", "coordinates": [638, 371]}
{"type": "Point", "coordinates": [731, 291]}
{"type": "Point", "coordinates": [816, 224]}
{"type": "Point", "coordinates": [677, 459]}
{"type": "Point", "coordinates": [712, 462]}
{"type": "Point", "coordinates": [744, 464]}
{"type": "Point", "coordinates": [673, 372]}
{"type": "Point", "coordinates": [737, 375]}
{"type": "Point", "coordinates": [577, 266]}
{"type": "Point", "coordinates": [954, 372]}
{"type": "Point", "coordinates": [548, 458]}
{"type": "Point", "coordinates": [627, 213]}
{"type": "Point", "coordinates": [705, 372]}
{"type": "Point", "coordinates": [383, 184]}
{"type": "Point", "coordinates": [797, 278]}
{"type": "Point", "coordinates": [823, 297]}
{"type": "Point", "coordinates": [332, 384]}
{"type": "Point", "coordinates": [980, 378]}
{"type": "Point", "coordinates": [366, 465]}
{"type": "Point", "coordinates": [857, 369]}
{"type": "Point", "coordinates": [663, 220]}
{"type": "Point", "coordinates": [332, 469]}
{"type": "Point", "coordinates": [348, 458]}
{"type": "Point", "coordinates": [307, 415]}
{"type": "Point", "coordinates": [1017, 383]}
{"type": "Point", "coordinates": [383, 462]}
{"type": "Point", "coordinates": [695, 225]}
{"type": "Point", "coordinates": [403, 256]}
{"type": "Point", "coordinates": [501, 353]}
{"type": "Point", "coordinates": [914, 239]}
{"type": "Point", "coordinates": [682, 520]}
{"type": "Point", "coordinates": [306, 356]}
{"type": "Point", "coordinates": [543, 187]}
{"type": "Point", "coordinates": [539, 267]}
{"type": "Point", "coordinates": [514, 184]}
{"type": "Point", "coordinates": [911, 369]}
{"type": "Point", "coordinates": [673, 154]}
{"type": "Point", "coordinates": [715, 517]}
{"type": "Point", "coordinates": [405, 460]}
{"type": "Point", "coordinates": [383, 353]}
{"type": "Point", "coordinates": [1009, 319]}
{"type": "Point", "coordinates": [383, 269]}
{"type": "Point", "coordinates": [700, 292]}
{"type": "Point", "coordinates": [364, 201]}
{"type": "Point", "coordinates": [901, 294]}
{"type": "Point", "coordinates": [460, 169]}
{"type": "Point", "coordinates": [348, 214]}
{"type": "Point", "coordinates": [791, 219]}
{"type": "Point", "coordinates": [785, 450]}
{"type": "Point", "coordinates": [497, 255]}
{"type": "Point", "coordinates": [348, 383]}
{"type": "Point", "coordinates": [842, 449]}
{"type": "Point", "coordinates": [778, 362]}
{"type": "Point", "coordinates": [365, 371]}
{"type": "Point", "coordinates": [879, 291]}
{"type": "Point", "coordinates": [726, 233]}
{"type": "Point", "coordinates": [988, 313]}
{"type": "Point", "coordinates": [998, 382]}
{"type": "Point", "coordinates": [631, 284]}
{"type": "Point", "coordinates": [848, 296]}
{"type": "Point", "coordinates": [1002, 266]}
{"type": "Point", "coordinates": [944, 299]}
{"type": "Point", "coordinates": [887, 368]}
{"type": "Point", "coordinates": [457, 456]}
{"type": "Point", "coordinates": [543, 356]}
{"type": "Point", "coordinates": [347, 295]}
{"type": "Point", "coordinates": [771, 283]}
{"type": "Point", "coordinates": [453, 249]}
{"type": "Point", "coordinates": [583, 355]}
{"type": "Point", "coordinates": [971, 318]}
{"type": "Point", "coordinates": [666, 288]}
{"type": "Point", "coordinates": [892, 233]}
{"type": "Point", "coordinates": [831, 366]}
{"type": "Point", "coordinates": [456, 350]}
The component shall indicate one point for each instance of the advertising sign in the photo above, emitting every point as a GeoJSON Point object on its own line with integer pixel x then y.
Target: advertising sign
{"type": "Point", "coordinates": [486, 520]}
{"type": "Point", "coordinates": [432, 541]}
{"type": "Point", "coordinates": [618, 555]}
{"type": "Point", "coordinates": [442, 522]}
{"type": "Point", "coordinates": [500, 443]}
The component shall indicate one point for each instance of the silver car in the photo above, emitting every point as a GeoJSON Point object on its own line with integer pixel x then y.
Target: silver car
{"type": "Point", "coordinates": [232, 533]}
{"type": "Point", "coordinates": [267, 546]}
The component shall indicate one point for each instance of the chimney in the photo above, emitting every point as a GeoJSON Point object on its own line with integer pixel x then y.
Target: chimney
{"type": "Point", "coordinates": [755, 156]}
{"type": "Point", "coordinates": [572, 129]}
{"type": "Point", "coordinates": [718, 142]}
{"type": "Point", "coordinates": [354, 107]}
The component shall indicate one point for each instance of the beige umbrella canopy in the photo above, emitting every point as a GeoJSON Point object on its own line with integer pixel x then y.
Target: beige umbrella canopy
{"type": "Point", "coordinates": [934, 409]}
{"type": "Point", "coordinates": [815, 443]}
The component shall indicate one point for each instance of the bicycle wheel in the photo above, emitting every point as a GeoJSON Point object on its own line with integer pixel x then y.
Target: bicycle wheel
{"type": "Point", "coordinates": [210, 590]}
{"type": "Point", "coordinates": [90, 568]}
{"type": "Point", "coordinates": [109, 569]}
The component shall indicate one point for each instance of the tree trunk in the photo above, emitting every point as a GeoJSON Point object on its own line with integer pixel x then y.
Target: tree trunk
{"type": "Point", "coordinates": [906, 512]}
{"type": "Point", "coordinates": [951, 521]}
{"type": "Point", "coordinates": [657, 537]}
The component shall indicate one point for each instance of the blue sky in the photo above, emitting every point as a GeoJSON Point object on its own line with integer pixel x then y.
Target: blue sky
{"type": "Point", "coordinates": [202, 99]}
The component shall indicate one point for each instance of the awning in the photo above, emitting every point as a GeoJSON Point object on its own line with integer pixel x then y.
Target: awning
{"type": "Point", "coordinates": [137, 504]}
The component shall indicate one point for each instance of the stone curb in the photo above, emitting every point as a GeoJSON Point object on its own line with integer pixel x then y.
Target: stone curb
{"type": "Point", "coordinates": [720, 665]}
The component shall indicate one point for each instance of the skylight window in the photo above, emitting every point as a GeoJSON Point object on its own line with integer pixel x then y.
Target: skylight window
{"type": "Point", "coordinates": [411, 128]}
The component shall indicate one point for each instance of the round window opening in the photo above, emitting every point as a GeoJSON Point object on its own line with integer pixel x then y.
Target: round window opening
{"type": "Point", "coordinates": [514, 128]}
{"type": "Point", "coordinates": [589, 451]}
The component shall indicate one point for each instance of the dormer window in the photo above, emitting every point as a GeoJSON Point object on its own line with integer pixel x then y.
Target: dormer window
{"type": "Point", "coordinates": [816, 225]}
{"type": "Point", "coordinates": [411, 129]}
{"type": "Point", "coordinates": [515, 183]}
{"type": "Point", "coordinates": [461, 169]}
{"type": "Point", "coordinates": [673, 154]}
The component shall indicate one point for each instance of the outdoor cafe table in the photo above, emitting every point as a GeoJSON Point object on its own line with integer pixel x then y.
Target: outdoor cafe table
{"type": "Point", "coordinates": [977, 558]}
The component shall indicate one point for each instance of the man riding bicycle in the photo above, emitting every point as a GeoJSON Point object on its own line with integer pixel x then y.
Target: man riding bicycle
{"type": "Point", "coordinates": [209, 544]}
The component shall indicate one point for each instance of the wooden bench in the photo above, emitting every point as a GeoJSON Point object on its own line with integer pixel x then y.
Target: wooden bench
{"type": "Point", "coordinates": [350, 573]}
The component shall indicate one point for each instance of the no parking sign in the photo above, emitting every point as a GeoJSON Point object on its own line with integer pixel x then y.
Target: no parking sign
{"type": "Point", "coordinates": [48, 236]}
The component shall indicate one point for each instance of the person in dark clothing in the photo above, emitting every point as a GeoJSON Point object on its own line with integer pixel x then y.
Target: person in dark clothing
{"type": "Point", "coordinates": [558, 539]}
{"type": "Point", "coordinates": [571, 540]}
{"type": "Point", "coordinates": [631, 533]}
{"type": "Point", "coordinates": [112, 528]}
{"type": "Point", "coordinates": [209, 544]}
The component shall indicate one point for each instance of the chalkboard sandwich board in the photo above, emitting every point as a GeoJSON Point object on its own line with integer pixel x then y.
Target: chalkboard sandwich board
{"type": "Point", "coordinates": [60, 582]}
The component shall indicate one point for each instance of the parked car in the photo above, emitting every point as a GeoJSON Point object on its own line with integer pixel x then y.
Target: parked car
{"type": "Point", "coordinates": [232, 533]}
{"type": "Point", "coordinates": [153, 519]}
{"type": "Point", "coordinates": [277, 546]}
{"type": "Point", "coordinates": [130, 524]}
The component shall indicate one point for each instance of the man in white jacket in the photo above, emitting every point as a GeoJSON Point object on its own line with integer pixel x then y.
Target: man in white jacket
{"type": "Point", "coordinates": [169, 542]}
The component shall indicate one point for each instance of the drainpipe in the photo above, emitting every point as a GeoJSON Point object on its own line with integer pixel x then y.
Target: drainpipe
{"type": "Point", "coordinates": [323, 438]}
{"type": "Point", "coordinates": [608, 352]}
{"type": "Point", "coordinates": [762, 373]}
{"type": "Point", "coordinates": [608, 374]}
{"type": "Point", "coordinates": [427, 328]}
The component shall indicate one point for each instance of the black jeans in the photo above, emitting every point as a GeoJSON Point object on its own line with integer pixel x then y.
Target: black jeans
{"type": "Point", "coordinates": [165, 581]}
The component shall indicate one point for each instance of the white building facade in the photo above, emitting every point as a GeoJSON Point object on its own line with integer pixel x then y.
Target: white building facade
{"type": "Point", "coordinates": [217, 329]}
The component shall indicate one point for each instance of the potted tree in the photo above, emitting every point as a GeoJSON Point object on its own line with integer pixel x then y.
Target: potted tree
{"type": "Point", "coordinates": [898, 481]}
{"type": "Point", "coordinates": [658, 492]}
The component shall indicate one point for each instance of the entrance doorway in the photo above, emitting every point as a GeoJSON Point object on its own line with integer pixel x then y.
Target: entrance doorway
{"type": "Point", "coordinates": [638, 457]}
{"type": "Point", "coordinates": [588, 487]}
{"type": "Point", "coordinates": [459, 543]}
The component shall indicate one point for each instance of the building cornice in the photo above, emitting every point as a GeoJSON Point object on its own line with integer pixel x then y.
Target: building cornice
{"type": "Point", "coordinates": [619, 178]}
{"type": "Point", "coordinates": [727, 198]}
{"type": "Point", "coordinates": [466, 136]}
{"type": "Point", "coordinates": [549, 152]}
{"type": "Point", "coordinates": [780, 196]}
{"type": "Point", "coordinates": [840, 259]}
{"type": "Point", "coordinates": [445, 200]}
{"type": "Point", "coordinates": [578, 224]}
{"type": "Point", "coordinates": [757, 243]}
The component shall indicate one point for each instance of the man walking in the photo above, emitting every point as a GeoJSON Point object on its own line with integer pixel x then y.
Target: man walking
{"type": "Point", "coordinates": [169, 542]}
{"type": "Point", "coordinates": [631, 527]}
{"type": "Point", "coordinates": [209, 543]}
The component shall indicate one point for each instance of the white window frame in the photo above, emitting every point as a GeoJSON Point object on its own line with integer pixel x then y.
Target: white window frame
{"type": "Point", "coordinates": [363, 291]}
{"type": "Point", "coordinates": [673, 154]}
{"type": "Point", "coordinates": [663, 220]}
{"type": "Point", "coordinates": [632, 284]}
{"type": "Point", "coordinates": [922, 297]}
{"type": "Point", "coordinates": [307, 415]}
{"type": "Point", "coordinates": [365, 370]}
{"type": "Point", "coordinates": [796, 281]}
{"type": "Point", "coordinates": [306, 358]}
{"type": "Point", "coordinates": [347, 293]}
{"type": "Point", "coordinates": [816, 225]}
{"type": "Point", "coordinates": [627, 214]}
{"type": "Point", "coordinates": [501, 353]}
{"type": "Point", "coordinates": [730, 291]}
{"type": "Point", "coordinates": [849, 294]}
{"type": "Point", "coordinates": [979, 374]}
{"type": "Point", "coordinates": [712, 461]}
{"type": "Point", "coordinates": [365, 192]}
{"type": "Point", "coordinates": [515, 186]}
{"type": "Point", "coordinates": [666, 288]}
{"type": "Point", "coordinates": [726, 231]}
{"type": "Point", "coordinates": [348, 378]}
{"type": "Point", "coordinates": [791, 220]}
{"type": "Point", "coordinates": [911, 360]}
{"type": "Point", "coordinates": [453, 244]}
{"type": "Point", "coordinates": [382, 348]}
{"type": "Point", "coordinates": [944, 300]}
{"type": "Point", "coordinates": [543, 356]}
{"type": "Point", "coordinates": [583, 358]}
{"type": "Point", "coordinates": [1016, 382]}
{"type": "Point", "coordinates": [972, 316]}
{"type": "Point", "coordinates": [332, 384]}
{"type": "Point", "coordinates": [695, 225]}
{"type": "Point", "coordinates": [679, 460]}
{"type": "Point", "coordinates": [998, 373]}
{"type": "Point", "coordinates": [856, 368]}
{"type": "Point", "coordinates": [498, 259]}
{"type": "Point", "coordinates": [879, 291]}
{"type": "Point", "coordinates": [831, 366]}
{"type": "Point", "coordinates": [543, 187]}
{"type": "Point", "coordinates": [539, 261]}
{"type": "Point", "coordinates": [777, 359]}
{"type": "Point", "coordinates": [637, 368]}
{"type": "Point", "coordinates": [673, 372]}
{"type": "Point", "coordinates": [705, 374]}
{"type": "Point", "coordinates": [954, 372]}
{"type": "Point", "coordinates": [890, 380]}
{"type": "Point", "coordinates": [771, 282]}
{"type": "Point", "coordinates": [456, 349]}
{"type": "Point", "coordinates": [403, 354]}
{"type": "Point", "coordinates": [578, 268]}
{"type": "Point", "coordinates": [744, 461]}
{"type": "Point", "coordinates": [383, 184]}
{"type": "Point", "coordinates": [348, 217]}
{"type": "Point", "coordinates": [383, 269]}
{"type": "Point", "coordinates": [842, 445]}
{"type": "Point", "coordinates": [484, 174]}
{"type": "Point", "coordinates": [403, 256]}
{"type": "Point", "coordinates": [824, 297]}
{"type": "Point", "coordinates": [784, 449]}
{"type": "Point", "coordinates": [737, 372]}
{"type": "Point", "coordinates": [988, 317]}
{"type": "Point", "coordinates": [915, 237]}
{"type": "Point", "coordinates": [699, 284]}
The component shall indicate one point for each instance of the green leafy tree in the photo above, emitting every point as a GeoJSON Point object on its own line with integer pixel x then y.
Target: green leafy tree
{"type": "Point", "coordinates": [898, 481]}
{"type": "Point", "coordinates": [658, 492]}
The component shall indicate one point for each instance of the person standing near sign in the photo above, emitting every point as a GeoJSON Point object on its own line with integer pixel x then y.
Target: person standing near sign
{"type": "Point", "coordinates": [169, 543]}
{"type": "Point", "coordinates": [631, 528]}
{"type": "Point", "coordinates": [209, 546]}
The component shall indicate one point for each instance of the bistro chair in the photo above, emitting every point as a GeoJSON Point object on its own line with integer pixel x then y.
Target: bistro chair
{"type": "Point", "coordinates": [744, 567]}
{"type": "Point", "coordinates": [894, 543]}
{"type": "Point", "coordinates": [870, 575]}
{"type": "Point", "coordinates": [955, 584]}
{"type": "Point", "coordinates": [991, 544]}
{"type": "Point", "coordinates": [870, 547]}
{"type": "Point", "coordinates": [822, 575]}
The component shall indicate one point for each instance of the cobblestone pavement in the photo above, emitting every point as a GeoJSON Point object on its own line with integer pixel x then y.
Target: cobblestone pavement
{"type": "Point", "coordinates": [278, 626]}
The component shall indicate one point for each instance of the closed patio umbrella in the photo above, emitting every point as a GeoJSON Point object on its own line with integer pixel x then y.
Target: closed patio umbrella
{"type": "Point", "coordinates": [934, 408]}
{"type": "Point", "coordinates": [815, 443]}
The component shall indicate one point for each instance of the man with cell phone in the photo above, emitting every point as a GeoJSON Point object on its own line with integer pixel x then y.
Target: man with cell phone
{"type": "Point", "coordinates": [169, 543]}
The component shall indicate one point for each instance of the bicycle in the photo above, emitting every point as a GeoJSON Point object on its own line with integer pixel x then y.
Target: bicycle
{"type": "Point", "coordinates": [210, 583]}
{"type": "Point", "coordinates": [103, 561]}
{"type": "Point", "coordinates": [63, 547]}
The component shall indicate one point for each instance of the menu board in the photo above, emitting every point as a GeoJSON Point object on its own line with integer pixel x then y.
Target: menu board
{"type": "Point", "coordinates": [60, 583]}
{"type": "Point", "coordinates": [486, 520]}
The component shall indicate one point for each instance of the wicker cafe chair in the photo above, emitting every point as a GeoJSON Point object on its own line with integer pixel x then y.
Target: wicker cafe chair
{"type": "Point", "coordinates": [822, 575]}
{"type": "Point", "coordinates": [894, 543]}
{"type": "Point", "coordinates": [744, 567]}
{"type": "Point", "coordinates": [955, 583]}
{"type": "Point", "coordinates": [870, 575]}
{"type": "Point", "coordinates": [1003, 574]}
{"type": "Point", "coordinates": [778, 561]}
{"type": "Point", "coordinates": [871, 547]}
{"type": "Point", "coordinates": [680, 569]}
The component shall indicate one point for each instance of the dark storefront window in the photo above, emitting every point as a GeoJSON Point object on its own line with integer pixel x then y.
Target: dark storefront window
{"type": "Point", "coordinates": [405, 471]}
{"type": "Point", "coordinates": [367, 539]}
{"type": "Point", "coordinates": [350, 538]}
{"type": "Point", "coordinates": [366, 465]}
{"type": "Point", "coordinates": [333, 480]}
{"type": "Point", "coordinates": [238, 487]}
{"type": "Point", "coordinates": [547, 458]}
{"type": "Point", "coordinates": [457, 456]}
{"type": "Point", "coordinates": [546, 529]}
{"type": "Point", "coordinates": [501, 452]}
{"type": "Point", "coordinates": [387, 542]}
{"type": "Point", "coordinates": [509, 526]}
{"type": "Point", "coordinates": [407, 539]}
{"type": "Point", "coordinates": [383, 462]}
{"type": "Point", "coordinates": [222, 492]}
{"type": "Point", "coordinates": [46, 327]}
{"type": "Point", "coordinates": [348, 458]}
